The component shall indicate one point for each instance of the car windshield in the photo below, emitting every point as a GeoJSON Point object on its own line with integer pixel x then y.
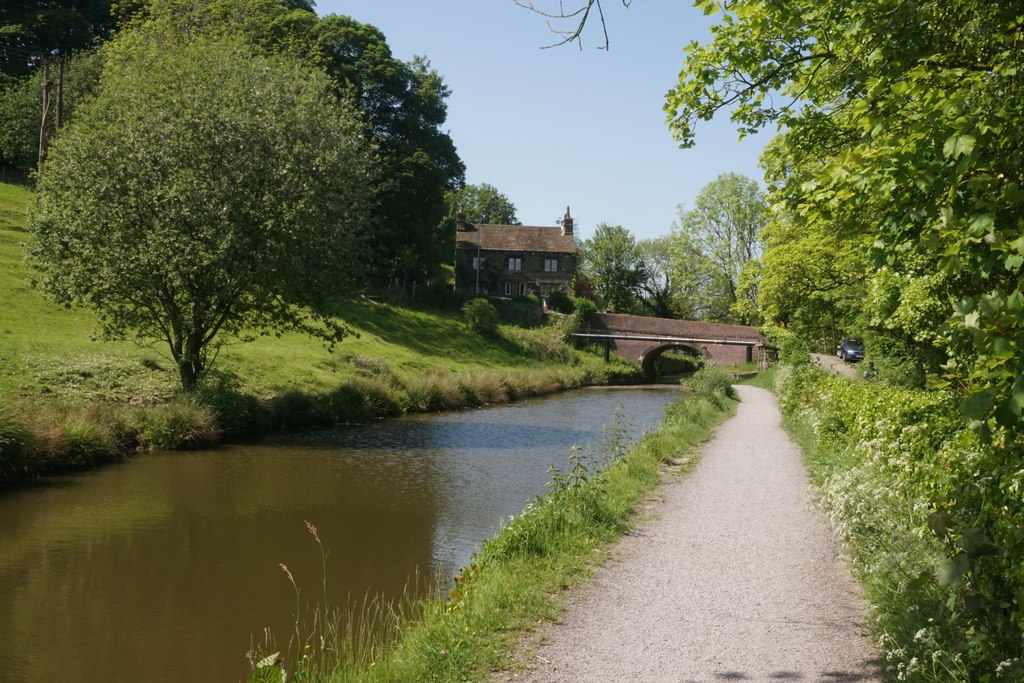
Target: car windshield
{"type": "Point", "coordinates": [855, 343]}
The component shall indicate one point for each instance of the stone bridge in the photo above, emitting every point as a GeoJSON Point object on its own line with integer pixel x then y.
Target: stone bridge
{"type": "Point", "coordinates": [644, 339]}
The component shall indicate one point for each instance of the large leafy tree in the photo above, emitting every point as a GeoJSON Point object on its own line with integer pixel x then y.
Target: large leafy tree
{"type": "Point", "coordinates": [481, 203]}
{"type": "Point", "coordinates": [612, 262]}
{"type": "Point", "coordinates": [405, 107]}
{"type": "Point", "coordinates": [903, 123]}
{"type": "Point", "coordinates": [33, 29]}
{"type": "Point", "coordinates": [725, 226]}
{"type": "Point", "coordinates": [658, 291]}
{"type": "Point", "coordinates": [205, 191]}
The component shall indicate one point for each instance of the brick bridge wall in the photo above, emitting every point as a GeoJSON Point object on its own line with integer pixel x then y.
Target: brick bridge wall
{"type": "Point", "coordinates": [645, 352]}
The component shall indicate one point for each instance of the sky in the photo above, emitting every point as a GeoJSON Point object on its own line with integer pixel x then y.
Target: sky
{"type": "Point", "coordinates": [551, 128]}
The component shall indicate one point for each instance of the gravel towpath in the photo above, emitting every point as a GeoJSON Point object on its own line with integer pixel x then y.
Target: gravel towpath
{"type": "Point", "coordinates": [734, 578]}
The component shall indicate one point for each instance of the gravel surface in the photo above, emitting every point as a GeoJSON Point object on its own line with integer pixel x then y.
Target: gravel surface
{"type": "Point", "coordinates": [734, 578]}
{"type": "Point", "coordinates": [840, 367]}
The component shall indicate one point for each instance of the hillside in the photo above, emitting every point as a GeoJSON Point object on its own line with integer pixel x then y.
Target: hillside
{"type": "Point", "coordinates": [46, 350]}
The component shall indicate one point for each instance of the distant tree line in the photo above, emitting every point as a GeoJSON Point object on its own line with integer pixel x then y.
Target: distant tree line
{"type": "Point", "coordinates": [705, 269]}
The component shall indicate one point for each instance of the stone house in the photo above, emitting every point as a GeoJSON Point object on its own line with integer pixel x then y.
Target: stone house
{"type": "Point", "coordinates": [507, 260]}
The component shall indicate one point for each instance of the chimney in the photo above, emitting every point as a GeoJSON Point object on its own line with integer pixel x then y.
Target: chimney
{"type": "Point", "coordinates": [460, 219]}
{"type": "Point", "coordinates": [567, 223]}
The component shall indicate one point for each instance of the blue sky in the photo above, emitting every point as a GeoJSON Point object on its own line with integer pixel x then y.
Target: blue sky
{"type": "Point", "coordinates": [565, 127]}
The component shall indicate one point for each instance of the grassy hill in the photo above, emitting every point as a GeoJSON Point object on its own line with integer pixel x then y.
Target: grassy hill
{"type": "Point", "coordinates": [46, 350]}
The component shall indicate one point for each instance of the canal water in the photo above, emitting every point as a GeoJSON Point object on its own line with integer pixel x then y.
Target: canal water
{"type": "Point", "coordinates": [166, 567]}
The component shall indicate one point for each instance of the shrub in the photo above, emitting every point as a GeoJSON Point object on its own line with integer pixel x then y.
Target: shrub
{"type": "Point", "coordinates": [932, 516]}
{"type": "Point", "coordinates": [584, 308]}
{"type": "Point", "coordinates": [178, 424]}
{"type": "Point", "coordinates": [238, 414]}
{"type": "Point", "coordinates": [712, 382]}
{"type": "Point", "coordinates": [15, 443]}
{"type": "Point", "coordinates": [792, 349]}
{"type": "Point", "coordinates": [481, 317]}
{"type": "Point", "coordinates": [560, 301]}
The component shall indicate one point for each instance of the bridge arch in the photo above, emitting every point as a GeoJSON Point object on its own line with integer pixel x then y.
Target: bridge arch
{"type": "Point", "coordinates": [651, 355]}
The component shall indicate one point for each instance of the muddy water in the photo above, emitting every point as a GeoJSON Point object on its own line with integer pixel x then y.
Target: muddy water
{"type": "Point", "coordinates": [165, 567]}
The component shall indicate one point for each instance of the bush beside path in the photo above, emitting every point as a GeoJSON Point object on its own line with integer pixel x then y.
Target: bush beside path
{"type": "Point", "coordinates": [736, 577]}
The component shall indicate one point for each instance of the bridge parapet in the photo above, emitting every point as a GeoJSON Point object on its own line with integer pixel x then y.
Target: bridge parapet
{"type": "Point", "coordinates": [645, 339]}
{"type": "Point", "coordinates": [634, 324]}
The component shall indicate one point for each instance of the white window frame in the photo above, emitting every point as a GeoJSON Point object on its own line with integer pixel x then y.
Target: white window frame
{"type": "Point", "coordinates": [508, 289]}
{"type": "Point", "coordinates": [522, 288]}
{"type": "Point", "coordinates": [515, 263]}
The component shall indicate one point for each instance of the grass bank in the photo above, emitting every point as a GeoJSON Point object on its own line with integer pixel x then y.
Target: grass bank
{"type": "Point", "coordinates": [519, 576]}
{"type": "Point", "coordinates": [933, 518]}
{"type": "Point", "coordinates": [68, 400]}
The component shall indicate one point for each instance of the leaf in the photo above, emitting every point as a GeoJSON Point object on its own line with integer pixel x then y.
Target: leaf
{"type": "Point", "coordinates": [951, 571]}
{"type": "Point", "coordinates": [977, 406]}
{"type": "Point", "coordinates": [940, 523]}
{"type": "Point", "coordinates": [958, 145]}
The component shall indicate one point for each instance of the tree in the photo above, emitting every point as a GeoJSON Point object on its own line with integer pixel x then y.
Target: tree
{"type": "Point", "coordinates": [20, 116]}
{"type": "Point", "coordinates": [658, 290]}
{"type": "Point", "coordinates": [725, 228]}
{"type": "Point", "coordinates": [405, 108]}
{"type": "Point", "coordinates": [204, 192]}
{"type": "Point", "coordinates": [481, 204]}
{"type": "Point", "coordinates": [33, 29]}
{"type": "Point", "coordinates": [611, 261]}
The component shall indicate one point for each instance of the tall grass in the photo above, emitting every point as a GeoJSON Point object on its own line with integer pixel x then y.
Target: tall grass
{"type": "Point", "coordinates": [517, 577]}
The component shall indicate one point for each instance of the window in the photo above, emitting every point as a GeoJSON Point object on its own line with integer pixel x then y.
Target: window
{"type": "Point", "coordinates": [508, 289]}
{"type": "Point", "coordinates": [522, 288]}
{"type": "Point", "coordinates": [550, 265]}
{"type": "Point", "coordinates": [515, 263]}
{"type": "Point", "coordinates": [478, 262]}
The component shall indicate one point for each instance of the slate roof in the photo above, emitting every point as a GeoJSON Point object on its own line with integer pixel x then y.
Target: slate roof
{"type": "Point", "coordinates": [517, 238]}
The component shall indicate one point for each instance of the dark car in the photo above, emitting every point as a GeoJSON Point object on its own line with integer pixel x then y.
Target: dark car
{"type": "Point", "coordinates": [852, 349]}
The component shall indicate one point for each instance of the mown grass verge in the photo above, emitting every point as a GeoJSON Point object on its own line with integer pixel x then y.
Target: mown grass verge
{"type": "Point", "coordinates": [933, 519]}
{"type": "Point", "coordinates": [517, 578]}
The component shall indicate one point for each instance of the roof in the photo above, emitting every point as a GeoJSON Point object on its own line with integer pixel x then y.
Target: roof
{"type": "Point", "coordinates": [517, 238]}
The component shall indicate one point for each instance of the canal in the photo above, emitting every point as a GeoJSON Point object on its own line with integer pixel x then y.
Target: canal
{"type": "Point", "coordinates": [166, 567]}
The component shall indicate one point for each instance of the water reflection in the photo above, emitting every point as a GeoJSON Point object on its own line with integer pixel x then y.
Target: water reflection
{"type": "Point", "coordinates": [161, 568]}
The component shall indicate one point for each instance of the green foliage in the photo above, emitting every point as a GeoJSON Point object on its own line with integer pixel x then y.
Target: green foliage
{"type": "Point", "coordinates": [932, 515]}
{"type": "Point", "coordinates": [712, 382]}
{"type": "Point", "coordinates": [611, 260]}
{"type": "Point", "coordinates": [481, 203]}
{"type": "Point", "coordinates": [205, 191]}
{"type": "Point", "coordinates": [716, 245]}
{"type": "Point", "coordinates": [178, 425]}
{"type": "Point", "coordinates": [559, 301]}
{"type": "Point", "coordinates": [20, 118]}
{"type": "Point", "coordinates": [32, 30]}
{"type": "Point", "coordinates": [903, 125]}
{"type": "Point", "coordinates": [15, 443]}
{"type": "Point", "coordinates": [481, 317]}
{"type": "Point", "coordinates": [792, 349]}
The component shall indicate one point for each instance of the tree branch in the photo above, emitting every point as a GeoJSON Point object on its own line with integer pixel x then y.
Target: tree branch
{"type": "Point", "coordinates": [582, 14]}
